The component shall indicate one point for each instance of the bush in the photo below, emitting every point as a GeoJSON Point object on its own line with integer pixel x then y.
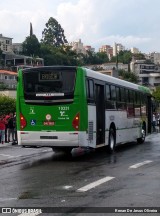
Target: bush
{"type": "Point", "coordinates": [7, 105]}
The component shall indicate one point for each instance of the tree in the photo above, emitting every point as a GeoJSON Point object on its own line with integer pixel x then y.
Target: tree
{"type": "Point", "coordinates": [156, 93]}
{"type": "Point", "coordinates": [53, 34]}
{"type": "Point", "coordinates": [7, 105]}
{"type": "Point", "coordinates": [31, 46]}
{"type": "Point", "coordinates": [124, 57]}
{"type": "Point", "coordinates": [103, 57]}
{"type": "Point", "coordinates": [128, 76]}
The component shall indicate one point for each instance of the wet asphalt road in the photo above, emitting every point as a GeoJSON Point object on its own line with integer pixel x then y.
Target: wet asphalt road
{"type": "Point", "coordinates": [41, 178]}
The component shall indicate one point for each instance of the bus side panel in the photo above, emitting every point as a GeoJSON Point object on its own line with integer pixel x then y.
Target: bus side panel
{"type": "Point", "coordinates": [92, 135]}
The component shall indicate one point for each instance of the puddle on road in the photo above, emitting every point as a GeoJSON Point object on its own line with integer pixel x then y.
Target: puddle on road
{"type": "Point", "coordinates": [3, 162]}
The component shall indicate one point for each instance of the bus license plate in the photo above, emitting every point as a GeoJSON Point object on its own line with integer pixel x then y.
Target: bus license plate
{"type": "Point", "coordinates": [50, 123]}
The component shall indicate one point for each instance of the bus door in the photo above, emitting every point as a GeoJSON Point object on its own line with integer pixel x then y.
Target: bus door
{"type": "Point", "coordinates": [100, 114]}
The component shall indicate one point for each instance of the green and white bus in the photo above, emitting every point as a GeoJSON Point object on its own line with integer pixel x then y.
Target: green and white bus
{"type": "Point", "coordinates": [76, 108]}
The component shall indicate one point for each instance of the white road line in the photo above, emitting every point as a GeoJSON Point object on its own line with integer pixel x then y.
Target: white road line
{"type": "Point", "coordinates": [30, 214]}
{"type": "Point", "coordinates": [140, 164]}
{"type": "Point", "coordinates": [7, 199]}
{"type": "Point", "coordinates": [94, 184]}
{"type": "Point", "coordinates": [10, 156]}
{"type": "Point", "coordinates": [5, 155]}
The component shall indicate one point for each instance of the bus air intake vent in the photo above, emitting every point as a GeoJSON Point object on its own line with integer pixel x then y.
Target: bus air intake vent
{"type": "Point", "coordinates": [90, 131]}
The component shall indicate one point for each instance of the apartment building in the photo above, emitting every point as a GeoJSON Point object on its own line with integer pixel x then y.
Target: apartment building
{"type": "Point", "coordinates": [80, 48]}
{"type": "Point", "coordinates": [17, 48]}
{"type": "Point", "coordinates": [5, 43]}
{"type": "Point", "coordinates": [153, 57]}
{"type": "Point", "coordinates": [135, 50]}
{"type": "Point", "coordinates": [8, 79]}
{"type": "Point", "coordinates": [148, 73]}
{"type": "Point", "coordinates": [107, 49]}
{"type": "Point", "coordinates": [117, 47]}
{"type": "Point", "coordinates": [113, 65]}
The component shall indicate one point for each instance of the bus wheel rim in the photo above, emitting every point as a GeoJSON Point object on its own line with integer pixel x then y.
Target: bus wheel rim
{"type": "Point", "coordinates": [111, 141]}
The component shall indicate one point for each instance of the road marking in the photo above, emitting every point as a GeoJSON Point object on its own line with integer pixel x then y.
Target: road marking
{"type": "Point", "coordinates": [30, 214]}
{"type": "Point", "coordinates": [10, 156]}
{"type": "Point", "coordinates": [5, 155]}
{"type": "Point", "coordinates": [94, 184]}
{"type": "Point", "coordinates": [140, 164]}
{"type": "Point", "coordinates": [7, 199]}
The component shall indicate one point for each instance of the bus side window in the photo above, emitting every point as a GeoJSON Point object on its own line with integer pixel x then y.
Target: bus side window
{"type": "Point", "coordinates": [108, 97]}
{"type": "Point", "coordinates": [123, 98]}
{"type": "Point", "coordinates": [137, 104]}
{"type": "Point", "coordinates": [113, 96]}
{"type": "Point", "coordinates": [143, 104]}
{"type": "Point", "coordinates": [130, 105]}
{"type": "Point", "coordinates": [119, 99]}
{"type": "Point", "coordinates": [90, 91]}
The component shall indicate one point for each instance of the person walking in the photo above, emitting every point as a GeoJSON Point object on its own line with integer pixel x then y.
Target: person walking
{"type": "Point", "coordinates": [6, 117]}
{"type": "Point", "coordinates": [11, 128]}
{"type": "Point", "coordinates": [2, 129]}
{"type": "Point", "coordinates": [15, 130]}
{"type": "Point", "coordinates": [154, 122]}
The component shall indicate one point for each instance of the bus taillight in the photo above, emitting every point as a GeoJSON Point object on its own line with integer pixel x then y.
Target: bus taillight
{"type": "Point", "coordinates": [23, 121]}
{"type": "Point", "coordinates": [75, 122]}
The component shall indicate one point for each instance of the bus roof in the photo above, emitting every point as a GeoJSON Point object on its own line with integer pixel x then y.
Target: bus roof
{"type": "Point", "coordinates": [117, 81]}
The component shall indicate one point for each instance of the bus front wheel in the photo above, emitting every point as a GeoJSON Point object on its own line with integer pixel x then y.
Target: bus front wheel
{"type": "Point", "coordinates": [112, 140]}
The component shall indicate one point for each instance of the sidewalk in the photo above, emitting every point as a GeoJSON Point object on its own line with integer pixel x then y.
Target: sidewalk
{"type": "Point", "coordinates": [6, 144]}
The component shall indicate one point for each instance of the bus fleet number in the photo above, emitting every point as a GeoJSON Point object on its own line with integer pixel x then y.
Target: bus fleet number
{"type": "Point", "coordinates": [63, 108]}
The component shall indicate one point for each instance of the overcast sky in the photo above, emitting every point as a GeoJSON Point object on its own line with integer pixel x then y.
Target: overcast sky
{"type": "Point", "coordinates": [133, 23]}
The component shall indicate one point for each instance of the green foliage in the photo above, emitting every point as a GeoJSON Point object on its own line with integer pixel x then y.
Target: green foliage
{"type": "Point", "coordinates": [139, 56]}
{"type": "Point", "coordinates": [62, 55]}
{"type": "Point", "coordinates": [7, 105]}
{"type": "Point", "coordinates": [156, 94]}
{"type": "Point", "coordinates": [31, 46]}
{"type": "Point", "coordinates": [53, 34]}
{"type": "Point", "coordinates": [124, 57]}
{"type": "Point", "coordinates": [128, 76]}
{"type": "Point", "coordinates": [3, 86]}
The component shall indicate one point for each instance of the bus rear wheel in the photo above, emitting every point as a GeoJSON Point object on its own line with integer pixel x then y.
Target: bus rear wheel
{"type": "Point", "coordinates": [143, 136]}
{"type": "Point", "coordinates": [112, 140]}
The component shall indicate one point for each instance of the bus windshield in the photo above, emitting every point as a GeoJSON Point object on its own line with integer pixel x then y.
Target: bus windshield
{"type": "Point", "coordinates": [52, 84]}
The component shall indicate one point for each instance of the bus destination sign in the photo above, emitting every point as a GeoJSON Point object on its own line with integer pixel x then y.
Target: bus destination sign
{"type": "Point", "coordinates": [49, 76]}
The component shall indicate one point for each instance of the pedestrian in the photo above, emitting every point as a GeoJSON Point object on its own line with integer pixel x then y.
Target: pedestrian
{"type": "Point", "coordinates": [10, 128]}
{"type": "Point", "coordinates": [2, 129]}
{"type": "Point", "coordinates": [15, 130]}
{"type": "Point", "coordinates": [154, 122]}
{"type": "Point", "coordinates": [6, 127]}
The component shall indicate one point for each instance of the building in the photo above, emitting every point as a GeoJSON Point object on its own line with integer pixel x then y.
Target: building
{"type": "Point", "coordinates": [154, 57]}
{"type": "Point", "coordinates": [17, 48]}
{"type": "Point", "coordinates": [107, 49]}
{"type": "Point", "coordinates": [6, 43]}
{"type": "Point", "coordinates": [117, 47]}
{"type": "Point", "coordinates": [8, 79]}
{"type": "Point", "coordinates": [135, 50]}
{"type": "Point", "coordinates": [11, 54]}
{"type": "Point", "coordinates": [89, 48]}
{"type": "Point", "coordinates": [113, 65]}
{"type": "Point", "coordinates": [13, 60]}
{"type": "Point", "coordinates": [148, 73]}
{"type": "Point", "coordinates": [78, 46]}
